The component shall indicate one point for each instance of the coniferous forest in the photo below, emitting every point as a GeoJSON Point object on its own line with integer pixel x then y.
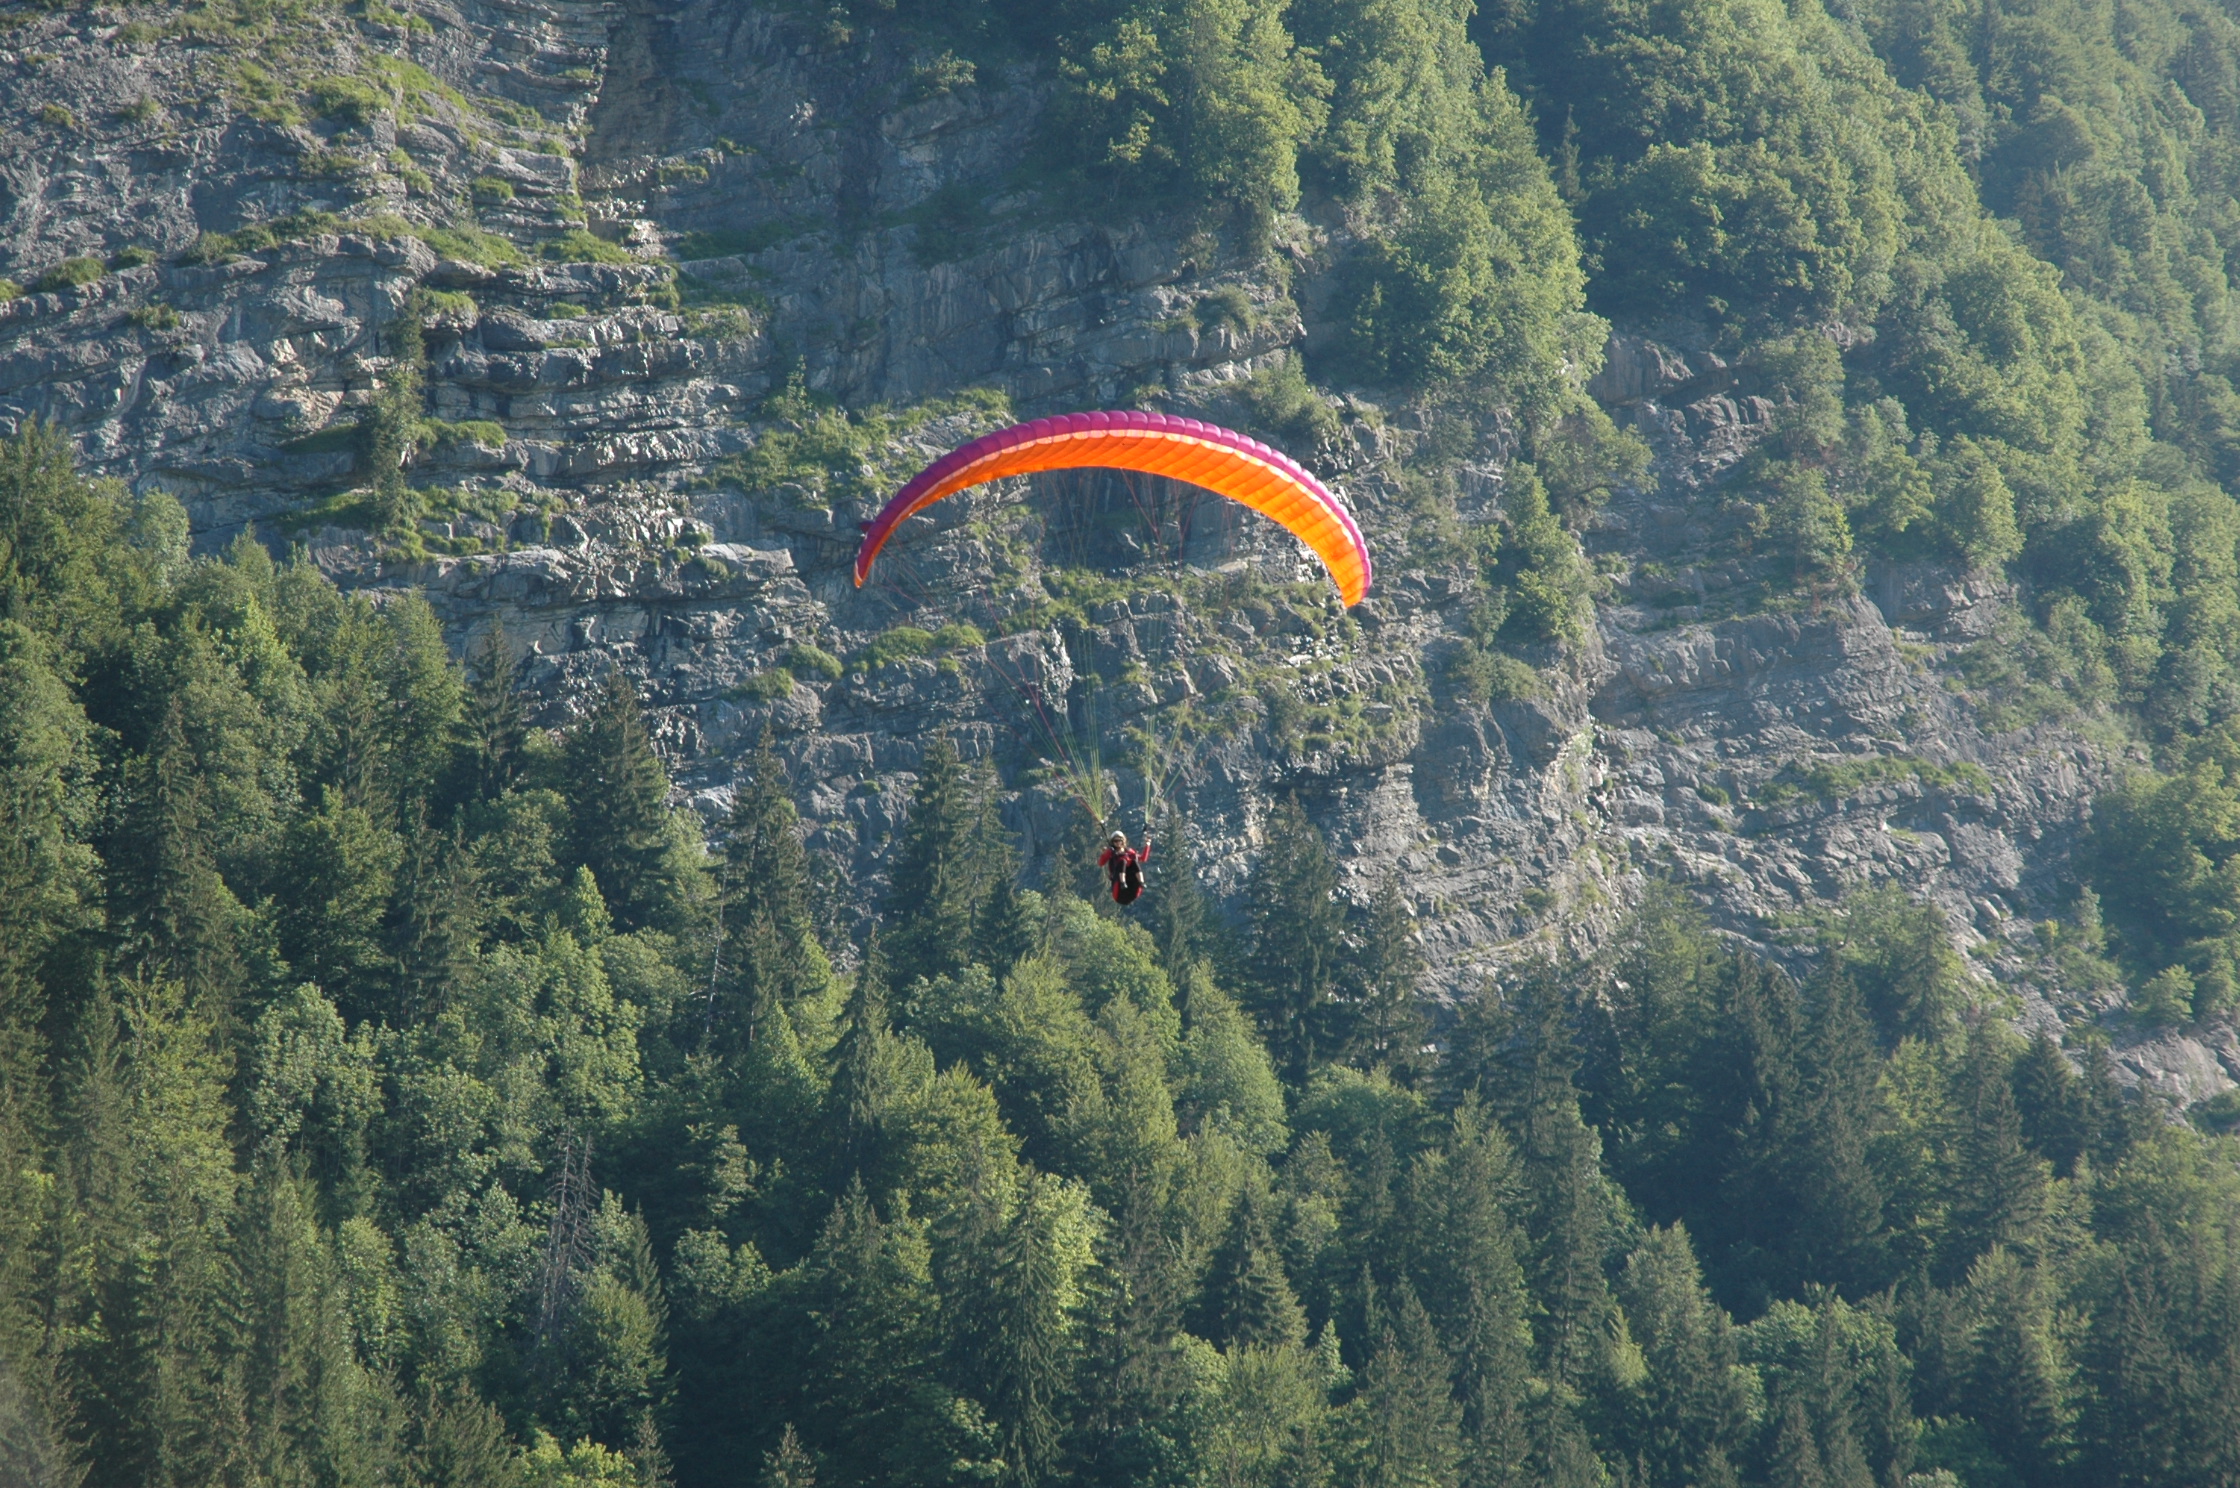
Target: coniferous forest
{"type": "Point", "coordinates": [395, 1094]}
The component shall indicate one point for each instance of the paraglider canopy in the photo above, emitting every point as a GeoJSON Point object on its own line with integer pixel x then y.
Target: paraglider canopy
{"type": "Point", "coordinates": [1221, 460]}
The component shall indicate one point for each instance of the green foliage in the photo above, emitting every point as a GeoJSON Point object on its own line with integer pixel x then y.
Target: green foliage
{"type": "Point", "coordinates": [624, 835]}
{"type": "Point", "coordinates": [766, 686]}
{"type": "Point", "coordinates": [898, 643]}
{"type": "Point", "coordinates": [363, 1049]}
{"type": "Point", "coordinates": [1295, 934]}
{"type": "Point", "coordinates": [348, 99]}
{"type": "Point", "coordinates": [1476, 282]}
{"type": "Point", "coordinates": [1281, 401]}
{"type": "Point", "coordinates": [813, 663]}
{"type": "Point", "coordinates": [578, 246]}
{"type": "Point", "coordinates": [819, 453]}
{"type": "Point", "coordinates": [2158, 856]}
{"type": "Point", "coordinates": [1202, 103]}
{"type": "Point", "coordinates": [488, 433]}
{"type": "Point", "coordinates": [1538, 566]}
{"type": "Point", "coordinates": [467, 243]}
{"type": "Point", "coordinates": [393, 426]}
{"type": "Point", "coordinates": [69, 274]}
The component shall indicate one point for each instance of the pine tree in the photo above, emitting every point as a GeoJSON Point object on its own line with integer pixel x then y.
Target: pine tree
{"type": "Point", "coordinates": [858, 1097]}
{"type": "Point", "coordinates": [1389, 1024]}
{"type": "Point", "coordinates": [1175, 910]}
{"type": "Point", "coordinates": [1075, 873]}
{"type": "Point", "coordinates": [176, 916]}
{"type": "Point", "coordinates": [1246, 1298]}
{"type": "Point", "coordinates": [460, 1442]}
{"type": "Point", "coordinates": [1133, 1383]}
{"type": "Point", "coordinates": [31, 1455]}
{"type": "Point", "coordinates": [492, 737]}
{"type": "Point", "coordinates": [1888, 1431]}
{"type": "Point", "coordinates": [937, 880]}
{"type": "Point", "coordinates": [47, 890]}
{"type": "Point", "coordinates": [1834, 1403]}
{"type": "Point", "coordinates": [770, 957]}
{"type": "Point", "coordinates": [1407, 1418]}
{"type": "Point", "coordinates": [769, 868]}
{"type": "Point", "coordinates": [1796, 1453]}
{"type": "Point", "coordinates": [153, 1175]}
{"type": "Point", "coordinates": [2049, 1098]}
{"type": "Point", "coordinates": [435, 916]}
{"type": "Point", "coordinates": [1755, 1101]}
{"type": "Point", "coordinates": [1839, 1224]}
{"type": "Point", "coordinates": [788, 1464]}
{"type": "Point", "coordinates": [2018, 1377]}
{"type": "Point", "coordinates": [1466, 1253]}
{"type": "Point", "coordinates": [1998, 1185]}
{"type": "Point", "coordinates": [1297, 927]}
{"type": "Point", "coordinates": [2113, 1123]}
{"type": "Point", "coordinates": [46, 877]}
{"type": "Point", "coordinates": [2130, 1433]}
{"type": "Point", "coordinates": [618, 814]}
{"type": "Point", "coordinates": [1568, 1207]}
{"type": "Point", "coordinates": [310, 1407]}
{"type": "Point", "coordinates": [1011, 1322]}
{"type": "Point", "coordinates": [340, 864]}
{"type": "Point", "coordinates": [1010, 926]}
{"type": "Point", "coordinates": [874, 1410]}
{"type": "Point", "coordinates": [423, 695]}
{"type": "Point", "coordinates": [1689, 1419]}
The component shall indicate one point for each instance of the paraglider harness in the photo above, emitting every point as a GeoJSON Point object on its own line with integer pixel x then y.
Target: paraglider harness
{"type": "Point", "coordinates": [1123, 869]}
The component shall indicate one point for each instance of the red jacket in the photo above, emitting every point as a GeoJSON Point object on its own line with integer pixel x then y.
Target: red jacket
{"type": "Point", "coordinates": [1121, 857]}
{"type": "Point", "coordinates": [1115, 864]}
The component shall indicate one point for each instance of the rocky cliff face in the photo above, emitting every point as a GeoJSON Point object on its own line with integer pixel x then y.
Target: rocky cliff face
{"type": "Point", "coordinates": [691, 221]}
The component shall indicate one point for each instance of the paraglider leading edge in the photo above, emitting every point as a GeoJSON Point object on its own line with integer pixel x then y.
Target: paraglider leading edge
{"type": "Point", "coordinates": [1220, 460]}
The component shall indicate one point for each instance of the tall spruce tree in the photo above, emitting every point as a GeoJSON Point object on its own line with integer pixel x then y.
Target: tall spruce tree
{"type": "Point", "coordinates": [1389, 1024]}
{"type": "Point", "coordinates": [1297, 930]}
{"type": "Point", "coordinates": [1689, 1418]}
{"type": "Point", "coordinates": [1998, 1184]}
{"type": "Point", "coordinates": [1569, 1208]}
{"type": "Point", "coordinates": [2049, 1099]}
{"type": "Point", "coordinates": [2018, 1371]}
{"type": "Point", "coordinates": [1247, 1299]}
{"type": "Point", "coordinates": [492, 736]}
{"type": "Point", "coordinates": [1009, 1318]}
{"type": "Point", "coordinates": [1465, 1247]}
{"type": "Point", "coordinates": [1839, 1235]}
{"type": "Point", "coordinates": [1833, 1392]}
{"type": "Point", "coordinates": [1133, 1381]}
{"type": "Point", "coordinates": [460, 1442]}
{"type": "Point", "coordinates": [1407, 1426]}
{"type": "Point", "coordinates": [1795, 1459]}
{"type": "Point", "coordinates": [769, 957]}
{"type": "Point", "coordinates": [1175, 910]}
{"type": "Point", "coordinates": [938, 878]}
{"type": "Point", "coordinates": [435, 915]}
{"type": "Point", "coordinates": [618, 816]}
{"type": "Point", "coordinates": [858, 1097]}
{"type": "Point", "coordinates": [173, 912]}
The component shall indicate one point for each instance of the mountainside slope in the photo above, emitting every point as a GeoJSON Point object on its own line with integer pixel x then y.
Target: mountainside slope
{"type": "Point", "coordinates": [625, 458]}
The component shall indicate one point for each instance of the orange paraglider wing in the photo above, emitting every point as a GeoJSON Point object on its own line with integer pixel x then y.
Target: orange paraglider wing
{"type": "Point", "coordinates": [1221, 460]}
